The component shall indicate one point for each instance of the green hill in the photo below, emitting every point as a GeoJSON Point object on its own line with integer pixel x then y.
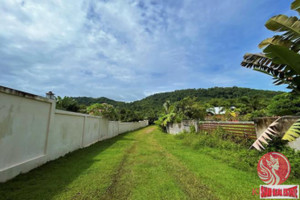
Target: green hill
{"type": "Point", "coordinates": [89, 100]}
{"type": "Point", "coordinates": [154, 102]}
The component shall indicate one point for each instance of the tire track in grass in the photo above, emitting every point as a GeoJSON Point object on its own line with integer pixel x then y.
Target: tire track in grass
{"type": "Point", "coordinates": [226, 181]}
{"type": "Point", "coordinates": [122, 181]}
{"type": "Point", "coordinates": [110, 191]}
{"type": "Point", "coordinates": [142, 173]}
{"type": "Point", "coordinates": [117, 189]}
{"type": "Point", "coordinates": [148, 171]}
{"type": "Point", "coordinates": [187, 180]}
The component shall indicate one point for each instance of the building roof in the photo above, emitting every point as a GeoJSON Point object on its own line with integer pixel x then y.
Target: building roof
{"type": "Point", "coordinates": [216, 110]}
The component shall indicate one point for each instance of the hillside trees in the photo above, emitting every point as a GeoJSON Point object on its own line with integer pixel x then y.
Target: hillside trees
{"type": "Point", "coordinates": [284, 104]}
{"type": "Point", "coordinates": [114, 114]}
{"type": "Point", "coordinates": [186, 109]}
{"type": "Point", "coordinates": [151, 106]}
{"type": "Point", "coordinates": [67, 103]}
{"type": "Point", "coordinates": [105, 110]}
{"type": "Point", "coordinates": [127, 115]}
{"type": "Point", "coordinates": [189, 108]}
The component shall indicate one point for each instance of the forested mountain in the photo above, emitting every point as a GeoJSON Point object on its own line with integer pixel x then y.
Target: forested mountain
{"type": "Point", "coordinates": [206, 94]}
{"type": "Point", "coordinates": [153, 104]}
{"type": "Point", "coordinates": [89, 101]}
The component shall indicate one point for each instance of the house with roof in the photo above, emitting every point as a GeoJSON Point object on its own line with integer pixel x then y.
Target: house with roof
{"type": "Point", "coordinates": [218, 113]}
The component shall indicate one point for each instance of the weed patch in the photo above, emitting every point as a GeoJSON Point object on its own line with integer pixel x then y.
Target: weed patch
{"type": "Point", "coordinates": [236, 152]}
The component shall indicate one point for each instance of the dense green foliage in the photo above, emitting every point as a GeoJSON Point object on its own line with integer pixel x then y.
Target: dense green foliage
{"type": "Point", "coordinates": [104, 110]}
{"type": "Point", "coordinates": [189, 108]}
{"type": "Point", "coordinates": [127, 115]}
{"type": "Point", "coordinates": [235, 150]}
{"type": "Point", "coordinates": [249, 101]}
{"type": "Point", "coordinates": [156, 101]}
{"type": "Point", "coordinates": [89, 101]}
{"type": "Point", "coordinates": [67, 103]}
{"type": "Point", "coordinates": [285, 104]}
{"type": "Point", "coordinates": [186, 109]}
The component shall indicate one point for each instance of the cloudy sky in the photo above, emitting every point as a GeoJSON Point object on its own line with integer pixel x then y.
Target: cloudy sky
{"type": "Point", "coordinates": [128, 49]}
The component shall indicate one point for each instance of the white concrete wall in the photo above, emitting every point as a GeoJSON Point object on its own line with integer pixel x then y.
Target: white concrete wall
{"type": "Point", "coordinates": [33, 132]}
{"type": "Point", "coordinates": [91, 131]}
{"type": "Point", "coordinates": [113, 129]}
{"type": "Point", "coordinates": [104, 129]}
{"type": "Point", "coordinates": [66, 134]}
{"type": "Point", "coordinates": [176, 128]}
{"type": "Point", "coordinates": [126, 126]}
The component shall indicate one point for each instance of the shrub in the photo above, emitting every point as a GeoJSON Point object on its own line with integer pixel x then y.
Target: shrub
{"type": "Point", "coordinates": [192, 129]}
{"type": "Point", "coordinates": [235, 150]}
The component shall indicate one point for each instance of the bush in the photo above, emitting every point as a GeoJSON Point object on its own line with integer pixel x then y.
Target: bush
{"type": "Point", "coordinates": [192, 129]}
{"type": "Point", "coordinates": [235, 150]}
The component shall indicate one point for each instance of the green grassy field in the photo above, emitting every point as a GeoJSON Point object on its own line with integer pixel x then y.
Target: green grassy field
{"type": "Point", "coordinates": [145, 164]}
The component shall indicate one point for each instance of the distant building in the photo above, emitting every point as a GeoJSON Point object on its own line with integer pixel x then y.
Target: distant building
{"type": "Point", "coordinates": [219, 113]}
{"type": "Point", "coordinates": [216, 111]}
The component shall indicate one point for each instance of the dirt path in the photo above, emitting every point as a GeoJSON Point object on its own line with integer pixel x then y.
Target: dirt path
{"type": "Point", "coordinates": [145, 165]}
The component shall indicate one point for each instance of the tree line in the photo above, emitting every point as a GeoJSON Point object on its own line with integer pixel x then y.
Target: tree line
{"type": "Point", "coordinates": [248, 103]}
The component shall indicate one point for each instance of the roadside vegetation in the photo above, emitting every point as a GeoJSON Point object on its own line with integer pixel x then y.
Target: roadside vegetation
{"type": "Point", "coordinates": [235, 150]}
{"type": "Point", "coordinates": [243, 109]}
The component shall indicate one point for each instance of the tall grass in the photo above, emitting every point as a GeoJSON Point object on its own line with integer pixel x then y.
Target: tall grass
{"type": "Point", "coordinates": [235, 150]}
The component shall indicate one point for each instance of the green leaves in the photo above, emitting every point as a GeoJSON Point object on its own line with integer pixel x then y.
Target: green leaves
{"type": "Point", "coordinates": [67, 103]}
{"type": "Point", "coordinates": [293, 133]}
{"type": "Point", "coordinates": [296, 6]}
{"type": "Point", "coordinates": [263, 64]}
{"type": "Point", "coordinates": [105, 110]}
{"type": "Point", "coordinates": [276, 40]}
{"type": "Point", "coordinates": [185, 109]}
{"type": "Point", "coordinates": [283, 23]}
{"type": "Point", "coordinates": [282, 55]}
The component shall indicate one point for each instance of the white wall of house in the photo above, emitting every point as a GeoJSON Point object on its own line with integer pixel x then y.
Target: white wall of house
{"type": "Point", "coordinates": [33, 132]}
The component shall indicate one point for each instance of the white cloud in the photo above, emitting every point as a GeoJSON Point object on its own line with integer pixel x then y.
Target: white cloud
{"type": "Point", "coordinates": [122, 49]}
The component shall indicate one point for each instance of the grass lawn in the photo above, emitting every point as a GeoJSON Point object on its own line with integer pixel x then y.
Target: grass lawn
{"type": "Point", "coordinates": [144, 164]}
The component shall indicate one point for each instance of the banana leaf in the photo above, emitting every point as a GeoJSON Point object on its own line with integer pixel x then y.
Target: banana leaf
{"type": "Point", "coordinates": [293, 133]}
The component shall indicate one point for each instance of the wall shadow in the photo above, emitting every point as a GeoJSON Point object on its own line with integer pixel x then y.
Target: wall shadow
{"type": "Point", "coordinates": [52, 178]}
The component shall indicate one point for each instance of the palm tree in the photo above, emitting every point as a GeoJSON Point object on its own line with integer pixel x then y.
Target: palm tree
{"type": "Point", "coordinates": [167, 106]}
{"type": "Point", "coordinates": [280, 57]}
